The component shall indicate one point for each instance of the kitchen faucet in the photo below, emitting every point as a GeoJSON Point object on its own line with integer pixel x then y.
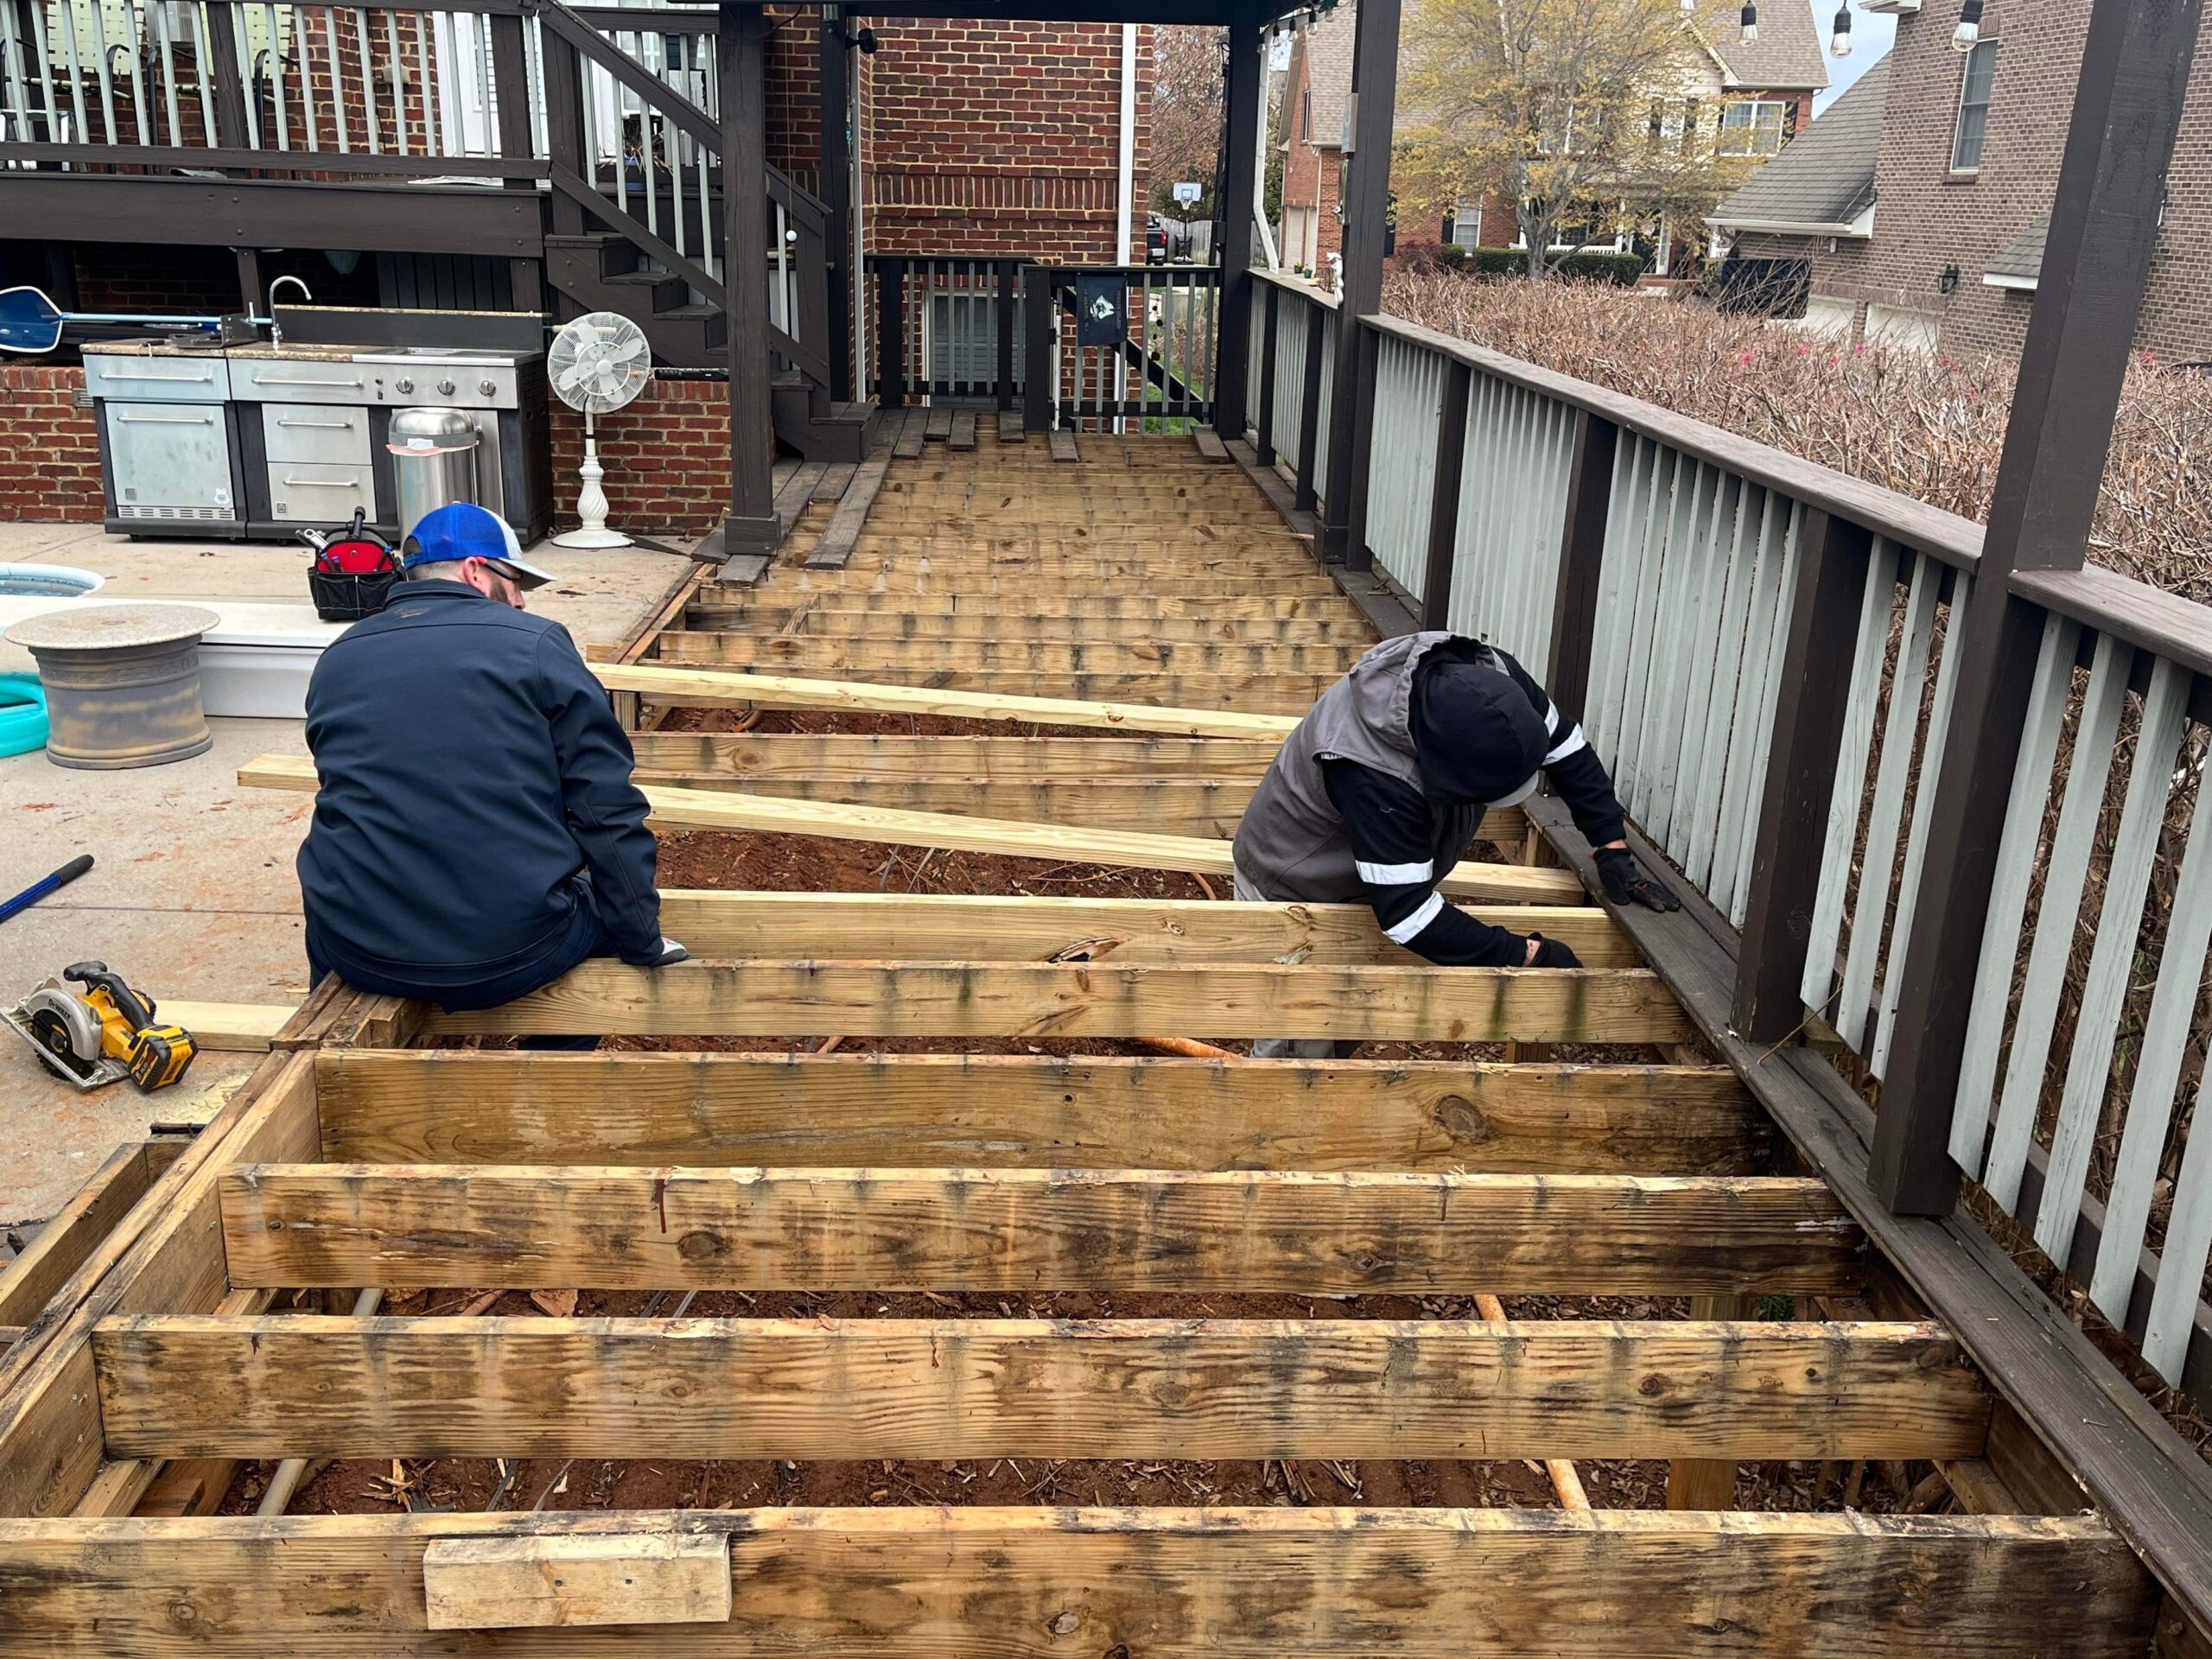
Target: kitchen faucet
{"type": "Point", "coordinates": [276, 328]}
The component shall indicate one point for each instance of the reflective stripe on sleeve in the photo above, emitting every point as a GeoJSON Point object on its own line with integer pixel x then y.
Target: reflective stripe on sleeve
{"type": "Point", "coordinates": [1572, 743]}
{"type": "Point", "coordinates": [1396, 875]}
{"type": "Point", "coordinates": [1407, 930]}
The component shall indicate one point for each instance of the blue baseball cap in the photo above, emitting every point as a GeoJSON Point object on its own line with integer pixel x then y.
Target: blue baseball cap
{"type": "Point", "coordinates": [461, 529]}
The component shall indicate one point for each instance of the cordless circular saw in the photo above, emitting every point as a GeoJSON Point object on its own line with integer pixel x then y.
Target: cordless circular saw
{"type": "Point", "coordinates": [100, 1034]}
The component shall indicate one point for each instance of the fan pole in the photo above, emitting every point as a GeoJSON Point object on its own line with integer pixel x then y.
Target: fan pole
{"type": "Point", "coordinates": [591, 499]}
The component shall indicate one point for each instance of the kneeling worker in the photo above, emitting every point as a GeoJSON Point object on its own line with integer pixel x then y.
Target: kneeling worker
{"type": "Point", "coordinates": [476, 834]}
{"type": "Point", "coordinates": [1383, 786]}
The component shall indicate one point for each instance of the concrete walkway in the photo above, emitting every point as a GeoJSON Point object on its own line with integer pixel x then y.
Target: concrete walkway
{"type": "Point", "coordinates": [193, 894]}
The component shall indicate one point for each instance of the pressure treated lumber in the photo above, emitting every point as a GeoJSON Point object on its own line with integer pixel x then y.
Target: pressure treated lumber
{"type": "Point", "coordinates": [1205, 807]}
{"type": "Point", "coordinates": [982, 927]}
{"type": "Point", "coordinates": [1011, 587]}
{"type": "Point", "coordinates": [707, 688]}
{"type": "Point", "coordinates": [737, 810]}
{"type": "Point", "coordinates": [1089, 608]}
{"type": "Point", "coordinates": [71, 1236]}
{"type": "Point", "coordinates": [845, 757]}
{"type": "Point", "coordinates": [310, 1386]}
{"type": "Point", "coordinates": [833, 654]}
{"type": "Point", "coordinates": [1261, 692]}
{"type": "Point", "coordinates": [1216, 1583]}
{"type": "Point", "coordinates": [422, 1226]}
{"type": "Point", "coordinates": [461, 1106]}
{"type": "Point", "coordinates": [565, 1580]}
{"type": "Point", "coordinates": [932, 999]}
{"type": "Point", "coordinates": [831, 617]}
{"type": "Point", "coordinates": [227, 1027]}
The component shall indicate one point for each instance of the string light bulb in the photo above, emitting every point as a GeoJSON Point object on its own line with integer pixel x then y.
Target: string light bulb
{"type": "Point", "coordinates": [1969, 29]}
{"type": "Point", "coordinates": [1840, 36]}
{"type": "Point", "coordinates": [1751, 20]}
{"type": "Point", "coordinates": [1689, 6]}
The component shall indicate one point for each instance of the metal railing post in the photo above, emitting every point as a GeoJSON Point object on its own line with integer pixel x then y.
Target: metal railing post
{"type": "Point", "coordinates": [1581, 557]}
{"type": "Point", "coordinates": [1444, 499]}
{"type": "Point", "coordinates": [1008, 287]}
{"type": "Point", "coordinates": [1309, 408]}
{"type": "Point", "coordinates": [891, 331]}
{"type": "Point", "coordinates": [2096, 262]}
{"type": "Point", "coordinates": [1808, 736]}
{"type": "Point", "coordinates": [1040, 387]}
{"type": "Point", "coordinates": [1264, 439]}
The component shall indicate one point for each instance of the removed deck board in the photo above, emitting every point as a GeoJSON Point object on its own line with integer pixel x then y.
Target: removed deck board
{"type": "Point", "coordinates": [422, 1226]}
{"type": "Point", "coordinates": [907, 445]}
{"type": "Point", "coordinates": [836, 477]}
{"type": "Point", "coordinates": [1211, 1583]}
{"type": "Point", "coordinates": [793, 494]}
{"type": "Point", "coordinates": [1031, 1111]}
{"type": "Point", "coordinates": [851, 516]}
{"type": "Point", "coordinates": [1208, 443]}
{"type": "Point", "coordinates": [962, 435]}
{"type": "Point", "coordinates": [815, 998]}
{"type": "Point", "coordinates": [311, 1386]}
{"type": "Point", "coordinates": [1062, 445]}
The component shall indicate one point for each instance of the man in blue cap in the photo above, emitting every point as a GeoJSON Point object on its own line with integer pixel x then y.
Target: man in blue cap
{"type": "Point", "coordinates": [476, 834]}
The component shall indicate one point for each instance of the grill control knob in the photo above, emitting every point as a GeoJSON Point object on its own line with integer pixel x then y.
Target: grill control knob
{"type": "Point", "coordinates": [403, 385]}
{"type": "Point", "coordinates": [445, 388]}
{"type": "Point", "coordinates": [489, 388]}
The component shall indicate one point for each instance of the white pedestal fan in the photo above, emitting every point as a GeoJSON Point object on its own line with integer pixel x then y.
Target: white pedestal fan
{"type": "Point", "coordinates": [598, 363]}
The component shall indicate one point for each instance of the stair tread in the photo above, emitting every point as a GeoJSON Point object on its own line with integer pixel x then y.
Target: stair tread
{"type": "Point", "coordinates": [640, 278]}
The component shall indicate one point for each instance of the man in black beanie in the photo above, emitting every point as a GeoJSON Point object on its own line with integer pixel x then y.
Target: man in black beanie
{"type": "Point", "coordinates": [1383, 786]}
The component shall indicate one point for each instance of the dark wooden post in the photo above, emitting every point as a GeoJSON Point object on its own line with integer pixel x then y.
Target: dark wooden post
{"type": "Point", "coordinates": [1264, 431]}
{"type": "Point", "coordinates": [234, 132]}
{"type": "Point", "coordinates": [2104, 229]}
{"type": "Point", "coordinates": [1581, 557]}
{"type": "Point", "coordinates": [1040, 389]}
{"type": "Point", "coordinates": [1310, 434]}
{"type": "Point", "coordinates": [564, 124]}
{"type": "Point", "coordinates": [1367, 117]}
{"type": "Point", "coordinates": [751, 525]}
{"type": "Point", "coordinates": [1241, 96]}
{"type": "Point", "coordinates": [835, 64]}
{"type": "Point", "coordinates": [1444, 498]}
{"type": "Point", "coordinates": [1832, 559]}
{"type": "Point", "coordinates": [249, 283]}
{"type": "Point", "coordinates": [1009, 286]}
{"type": "Point", "coordinates": [890, 331]}
{"type": "Point", "coordinates": [510, 88]}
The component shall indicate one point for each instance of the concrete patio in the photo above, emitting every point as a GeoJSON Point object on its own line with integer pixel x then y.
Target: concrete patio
{"type": "Point", "coordinates": [192, 895]}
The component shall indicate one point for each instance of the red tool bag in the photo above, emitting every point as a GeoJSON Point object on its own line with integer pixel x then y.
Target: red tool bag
{"type": "Point", "coordinates": [354, 569]}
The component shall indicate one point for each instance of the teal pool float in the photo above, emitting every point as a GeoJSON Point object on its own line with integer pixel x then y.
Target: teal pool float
{"type": "Point", "coordinates": [23, 714]}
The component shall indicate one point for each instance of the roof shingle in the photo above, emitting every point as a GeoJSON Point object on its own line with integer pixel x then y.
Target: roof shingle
{"type": "Point", "coordinates": [1824, 176]}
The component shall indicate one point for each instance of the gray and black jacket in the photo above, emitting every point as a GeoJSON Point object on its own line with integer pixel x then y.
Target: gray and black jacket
{"type": "Point", "coordinates": [1369, 800]}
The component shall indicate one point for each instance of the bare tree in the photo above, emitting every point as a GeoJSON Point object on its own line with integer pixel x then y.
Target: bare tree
{"type": "Point", "coordinates": [1568, 108]}
{"type": "Point", "coordinates": [1186, 95]}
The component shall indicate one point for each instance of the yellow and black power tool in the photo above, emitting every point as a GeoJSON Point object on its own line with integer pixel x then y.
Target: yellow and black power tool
{"type": "Point", "coordinates": [104, 1031]}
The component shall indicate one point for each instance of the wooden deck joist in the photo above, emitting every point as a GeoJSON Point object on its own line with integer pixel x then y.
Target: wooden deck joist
{"type": "Point", "coordinates": [940, 998]}
{"type": "Point", "coordinates": [736, 809]}
{"type": "Point", "coordinates": [1009, 1111]}
{"type": "Point", "coordinates": [311, 1386]}
{"type": "Point", "coordinates": [1133, 605]}
{"type": "Point", "coordinates": [857, 756]}
{"type": "Point", "coordinates": [1013, 586]}
{"type": "Point", "coordinates": [769, 615]}
{"type": "Point", "coordinates": [1216, 1583]}
{"type": "Point", "coordinates": [832, 653]}
{"type": "Point", "coordinates": [1265, 692]}
{"type": "Point", "coordinates": [981, 927]}
{"type": "Point", "coordinates": [424, 1226]}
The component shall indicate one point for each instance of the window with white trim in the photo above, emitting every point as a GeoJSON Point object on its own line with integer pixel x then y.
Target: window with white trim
{"type": "Point", "coordinates": [1467, 225]}
{"type": "Point", "coordinates": [1752, 126]}
{"type": "Point", "coordinates": [1975, 86]}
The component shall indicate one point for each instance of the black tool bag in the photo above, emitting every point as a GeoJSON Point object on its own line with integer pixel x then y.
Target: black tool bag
{"type": "Point", "coordinates": [353, 572]}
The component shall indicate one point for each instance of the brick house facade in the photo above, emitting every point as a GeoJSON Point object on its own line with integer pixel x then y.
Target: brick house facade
{"type": "Point", "coordinates": [1784, 67]}
{"type": "Point", "coordinates": [979, 138]}
{"type": "Point", "coordinates": [1951, 254]}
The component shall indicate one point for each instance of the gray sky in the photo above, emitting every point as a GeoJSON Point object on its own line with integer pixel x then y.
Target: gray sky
{"type": "Point", "coordinates": [1871, 34]}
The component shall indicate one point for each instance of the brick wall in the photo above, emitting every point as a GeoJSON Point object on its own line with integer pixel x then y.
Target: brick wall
{"type": "Point", "coordinates": [131, 276]}
{"type": "Point", "coordinates": [49, 449]}
{"type": "Point", "coordinates": [666, 456]}
{"type": "Point", "coordinates": [1930, 218]}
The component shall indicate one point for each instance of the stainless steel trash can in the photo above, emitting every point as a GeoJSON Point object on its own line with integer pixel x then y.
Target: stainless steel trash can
{"type": "Point", "coordinates": [433, 462]}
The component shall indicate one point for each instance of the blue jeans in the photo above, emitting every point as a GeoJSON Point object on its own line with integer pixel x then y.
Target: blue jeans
{"type": "Point", "coordinates": [585, 938]}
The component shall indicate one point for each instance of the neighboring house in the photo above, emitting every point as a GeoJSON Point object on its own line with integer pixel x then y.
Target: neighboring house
{"type": "Point", "coordinates": [1757, 94]}
{"type": "Point", "coordinates": [1951, 163]}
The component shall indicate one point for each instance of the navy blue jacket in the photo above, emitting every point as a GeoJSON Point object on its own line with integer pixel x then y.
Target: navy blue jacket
{"type": "Point", "coordinates": [476, 793]}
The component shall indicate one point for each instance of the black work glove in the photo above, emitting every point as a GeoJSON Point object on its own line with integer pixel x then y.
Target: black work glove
{"type": "Point", "coordinates": [1550, 953]}
{"type": "Point", "coordinates": [1625, 884]}
{"type": "Point", "coordinates": [668, 952]}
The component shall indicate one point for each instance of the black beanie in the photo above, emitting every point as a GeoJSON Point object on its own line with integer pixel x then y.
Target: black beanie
{"type": "Point", "coordinates": [1475, 737]}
